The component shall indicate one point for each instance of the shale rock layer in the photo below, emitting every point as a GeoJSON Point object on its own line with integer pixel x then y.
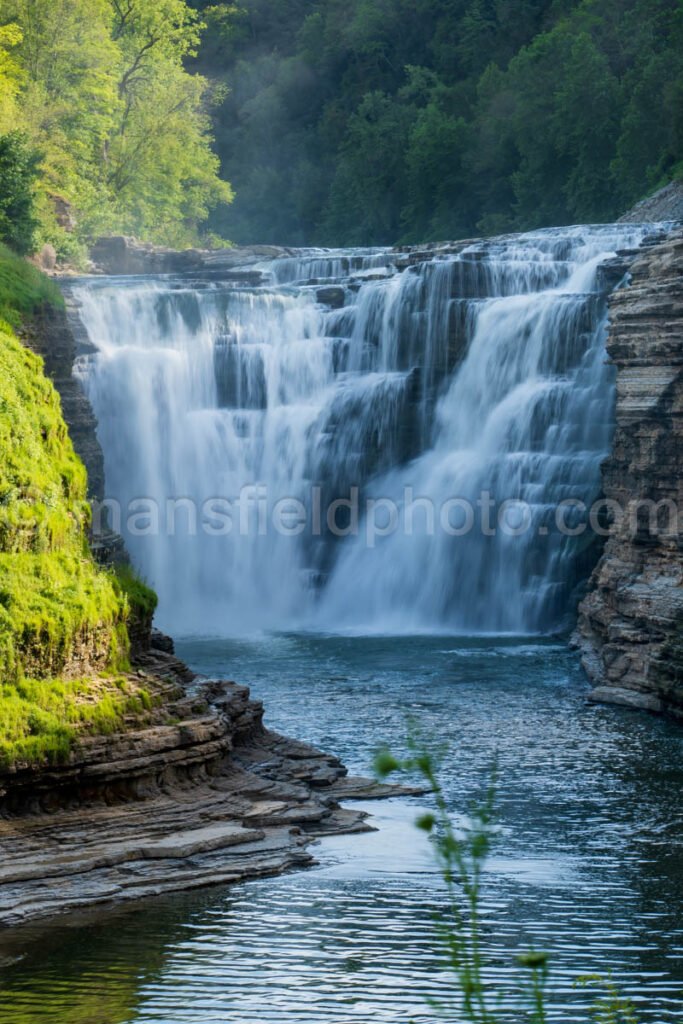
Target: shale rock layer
{"type": "Point", "coordinates": [204, 794]}
{"type": "Point", "coordinates": [630, 627]}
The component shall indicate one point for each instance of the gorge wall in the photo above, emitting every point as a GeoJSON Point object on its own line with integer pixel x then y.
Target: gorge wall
{"type": "Point", "coordinates": [630, 627]}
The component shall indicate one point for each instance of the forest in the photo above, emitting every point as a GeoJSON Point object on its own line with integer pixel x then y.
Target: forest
{"type": "Point", "coordinates": [336, 122]}
{"type": "Point", "coordinates": [353, 122]}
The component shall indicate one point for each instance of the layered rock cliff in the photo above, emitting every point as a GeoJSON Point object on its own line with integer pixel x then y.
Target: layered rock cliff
{"type": "Point", "coordinates": [630, 627]}
{"type": "Point", "coordinates": [53, 334]}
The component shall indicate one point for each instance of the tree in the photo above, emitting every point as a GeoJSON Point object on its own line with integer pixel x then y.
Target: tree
{"type": "Point", "coordinates": [18, 172]}
{"type": "Point", "coordinates": [538, 112]}
{"type": "Point", "coordinates": [368, 191]}
{"type": "Point", "coordinates": [586, 126]}
{"type": "Point", "coordinates": [10, 74]}
{"type": "Point", "coordinates": [123, 128]}
{"type": "Point", "coordinates": [160, 172]}
{"type": "Point", "coordinates": [436, 190]}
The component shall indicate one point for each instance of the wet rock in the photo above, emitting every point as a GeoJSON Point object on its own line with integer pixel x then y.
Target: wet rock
{"type": "Point", "coordinates": [627, 698]}
{"type": "Point", "coordinates": [331, 296]}
{"type": "Point", "coordinates": [160, 642]}
{"type": "Point", "coordinates": [190, 800]}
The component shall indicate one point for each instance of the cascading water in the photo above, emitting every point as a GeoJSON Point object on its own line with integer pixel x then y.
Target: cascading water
{"type": "Point", "coordinates": [433, 384]}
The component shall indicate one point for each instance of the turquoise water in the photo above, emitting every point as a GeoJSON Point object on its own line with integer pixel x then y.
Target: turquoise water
{"type": "Point", "coordinates": [588, 865]}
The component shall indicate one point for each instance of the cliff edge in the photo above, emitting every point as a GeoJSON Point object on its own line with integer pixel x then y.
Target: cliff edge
{"type": "Point", "coordinates": [630, 626]}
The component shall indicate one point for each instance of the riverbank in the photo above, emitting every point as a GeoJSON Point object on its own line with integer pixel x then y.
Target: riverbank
{"type": "Point", "coordinates": [204, 794]}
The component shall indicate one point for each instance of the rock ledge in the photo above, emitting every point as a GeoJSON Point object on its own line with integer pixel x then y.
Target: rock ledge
{"type": "Point", "coordinates": [213, 797]}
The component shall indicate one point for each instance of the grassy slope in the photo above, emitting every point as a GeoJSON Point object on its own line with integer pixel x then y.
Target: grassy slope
{"type": "Point", "coordinates": [55, 602]}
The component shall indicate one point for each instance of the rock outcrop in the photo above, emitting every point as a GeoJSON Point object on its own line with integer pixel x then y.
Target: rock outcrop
{"type": "Point", "coordinates": [666, 204]}
{"type": "Point", "coordinates": [119, 254]}
{"type": "Point", "coordinates": [630, 627]}
{"type": "Point", "coordinates": [57, 335]}
{"type": "Point", "coordinates": [203, 794]}
{"type": "Point", "coordinates": [49, 333]}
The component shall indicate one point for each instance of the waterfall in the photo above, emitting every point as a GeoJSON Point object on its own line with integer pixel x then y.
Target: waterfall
{"type": "Point", "coordinates": [386, 405]}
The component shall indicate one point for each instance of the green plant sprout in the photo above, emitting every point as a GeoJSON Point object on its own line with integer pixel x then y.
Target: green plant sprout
{"type": "Point", "coordinates": [461, 856]}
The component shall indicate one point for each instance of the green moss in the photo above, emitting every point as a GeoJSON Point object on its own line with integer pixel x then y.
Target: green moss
{"type": "Point", "coordinates": [140, 597]}
{"type": "Point", "coordinates": [50, 604]}
{"type": "Point", "coordinates": [58, 608]}
{"type": "Point", "coordinates": [43, 504]}
{"type": "Point", "coordinates": [23, 288]}
{"type": "Point", "coordinates": [52, 594]}
{"type": "Point", "coordinates": [119, 646]}
{"type": "Point", "coordinates": [40, 719]}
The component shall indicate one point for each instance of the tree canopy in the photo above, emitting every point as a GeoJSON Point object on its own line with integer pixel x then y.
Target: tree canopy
{"type": "Point", "coordinates": [122, 131]}
{"type": "Point", "coordinates": [339, 122]}
{"type": "Point", "coordinates": [374, 121]}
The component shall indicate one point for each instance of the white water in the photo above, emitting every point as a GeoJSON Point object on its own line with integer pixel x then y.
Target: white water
{"type": "Point", "coordinates": [478, 372]}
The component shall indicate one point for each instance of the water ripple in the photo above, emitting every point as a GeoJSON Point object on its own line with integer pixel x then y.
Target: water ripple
{"type": "Point", "coordinates": [588, 866]}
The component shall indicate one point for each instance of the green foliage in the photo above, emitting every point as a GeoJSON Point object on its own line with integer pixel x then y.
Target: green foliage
{"type": "Point", "coordinates": [101, 91]}
{"type": "Point", "coordinates": [366, 122]}
{"type": "Point", "coordinates": [372, 152]}
{"type": "Point", "coordinates": [18, 172]}
{"type": "Point", "coordinates": [23, 288]}
{"type": "Point", "coordinates": [40, 719]}
{"type": "Point", "coordinates": [340, 121]}
{"type": "Point", "coordinates": [611, 1008]}
{"type": "Point", "coordinates": [58, 609]}
{"type": "Point", "coordinates": [11, 75]}
{"type": "Point", "coordinates": [461, 854]}
{"type": "Point", "coordinates": [140, 597]}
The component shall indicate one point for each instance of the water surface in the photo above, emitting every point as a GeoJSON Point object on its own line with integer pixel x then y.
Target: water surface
{"type": "Point", "coordinates": [588, 864]}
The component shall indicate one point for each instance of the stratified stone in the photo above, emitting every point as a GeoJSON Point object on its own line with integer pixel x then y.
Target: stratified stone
{"type": "Point", "coordinates": [203, 795]}
{"type": "Point", "coordinates": [119, 254]}
{"type": "Point", "coordinates": [630, 627]}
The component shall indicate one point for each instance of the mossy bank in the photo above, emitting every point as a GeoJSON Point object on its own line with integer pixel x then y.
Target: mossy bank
{"type": "Point", "coordinates": [64, 620]}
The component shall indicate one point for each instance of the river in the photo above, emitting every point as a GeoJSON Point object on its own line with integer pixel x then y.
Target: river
{"type": "Point", "coordinates": [588, 862]}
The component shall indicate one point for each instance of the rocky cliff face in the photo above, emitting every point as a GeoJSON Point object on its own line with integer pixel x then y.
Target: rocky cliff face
{"type": "Point", "coordinates": [53, 334]}
{"type": "Point", "coordinates": [630, 627]}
